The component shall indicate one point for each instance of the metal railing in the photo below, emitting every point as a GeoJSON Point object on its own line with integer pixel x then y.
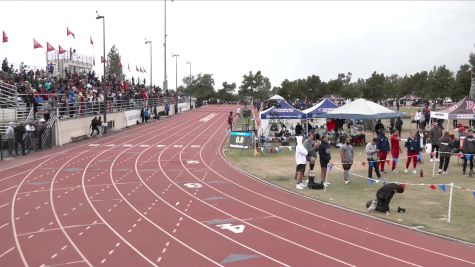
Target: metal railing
{"type": "Point", "coordinates": [47, 136]}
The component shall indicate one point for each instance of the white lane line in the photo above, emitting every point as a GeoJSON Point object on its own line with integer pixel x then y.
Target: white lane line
{"type": "Point", "coordinates": [64, 247]}
{"type": "Point", "coordinates": [6, 252]}
{"type": "Point", "coordinates": [6, 204]}
{"type": "Point", "coordinates": [42, 230]}
{"type": "Point", "coordinates": [159, 259]}
{"type": "Point", "coordinates": [4, 225]}
{"type": "Point", "coordinates": [5, 190]}
{"type": "Point", "coordinates": [164, 250]}
{"type": "Point", "coordinates": [54, 255]}
{"type": "Point", "coordinates": [103, 260]}
{"type": "Point", "coordinates": [111, 251]}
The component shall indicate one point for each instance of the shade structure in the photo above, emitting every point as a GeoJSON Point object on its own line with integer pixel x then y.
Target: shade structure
{"type": "Point", "coordinates": [276, 97]}
{"type": "Point", "coordinates": [362, 109]}
{"type": "Point", "coordinates": [320, 108]}
{"type": "Point", "coordinates": [282, 111]}
{"type": "Point", "coordinates": [462, 110]}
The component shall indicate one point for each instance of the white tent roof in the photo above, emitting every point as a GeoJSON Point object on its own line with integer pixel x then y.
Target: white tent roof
{"type": "Point", "coordinates": [362, 109]}
{"type": "Point", "coordinates": [276, 97]}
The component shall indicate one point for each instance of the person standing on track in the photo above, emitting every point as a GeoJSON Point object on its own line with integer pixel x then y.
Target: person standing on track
{"type": "Point", "coordinates": [383, 148]}
{"type": "Point", "coordinates": [301, 161]}
{"type": "Point", "coordinates": [384, 196]}
{"type": "Point", "coordinates": [230, 120]}
{"type": "Point", "coordinates": [325, 157]}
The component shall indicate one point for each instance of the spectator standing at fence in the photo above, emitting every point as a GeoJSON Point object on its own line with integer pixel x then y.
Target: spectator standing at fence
{"type": "Point", "coordinates": [93, 126]}
{"type": "Point", "coordinates": [325, 157]}
{"type": "Point", "coordinates": [446, 146]}
{"type": "Point", "coordinates": [100, 128]}
{"type": "Point", "coordinates": [468, 151]}
{"type": "Point", "coordinates": [346, 153]}
{"type": "Point", "coordinates": [383, 148]}
{"type": "Point", "coordinates": [412, 152]}
{"type": "Point", "coordinates": [395, 150]}
{"type": "Point", "coordinates": [435, 135]}
{"type": "Point", "coordinates": [10, 133]}
{"type": "Point", "coordinates": [146, 114]}
{"type": "Point", "coordinates": [167, 109]}
{"type": "Point", "coordinates": [142, 115]}
{"type": "Point", "coordinates": [30, 135]}
{"type": "Point", "coordinates": [301, 161]}
{"type": "Point", "coordinates": [39, 130]}
{"type": "Point", "coordinates": [19, 135]}
{"type": "Point", "coordinates": [372, 157]}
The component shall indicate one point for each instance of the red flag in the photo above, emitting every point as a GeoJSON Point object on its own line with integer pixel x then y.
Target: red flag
{"type": "Point", "coordinates": [68, 32]}
{"type": "Point", "coordinates": [128, 66]}
{"type": "Point", "coordinates": [36, 44]}
{"type": "Point", "coordinates": [5, 37]}
{"type": "Point", "coordinates": [94, 61]}
{"type": "Point", "coordinates": [136, 68]}
{"type": "Point", "coordinates": [61, 50]}
{"type": "Point", "coordinates": [90, 39]}
{"type": "Point", "coordinates": [49, 47]}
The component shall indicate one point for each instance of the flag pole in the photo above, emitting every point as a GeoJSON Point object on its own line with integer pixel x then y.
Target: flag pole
{"type": "Point", "coordinates": [450, 202]}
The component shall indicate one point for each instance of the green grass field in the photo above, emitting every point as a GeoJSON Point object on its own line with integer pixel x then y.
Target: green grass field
{"type": "Point", "coordinates": [426, 209]}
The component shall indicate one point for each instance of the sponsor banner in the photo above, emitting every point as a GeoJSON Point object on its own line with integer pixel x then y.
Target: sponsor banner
{"type": "Point", "coordinates": [131, 117]}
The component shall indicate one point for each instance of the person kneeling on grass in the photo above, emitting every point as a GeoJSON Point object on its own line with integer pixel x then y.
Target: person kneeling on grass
{"type": "Point", "coordinates": [301, 161]}
{"type": "Point", "coordinates": [383, 197]}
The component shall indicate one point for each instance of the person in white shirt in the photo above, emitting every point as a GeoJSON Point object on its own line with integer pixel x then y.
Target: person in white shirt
{"type": "Point", "coordinates": [301, 161]}
{"type": "Point", "coordinates": [418, 117]}
{"type": "Point", "coordinates": [30, 134]}
{"type": "Point", "coordinates": [10, 137]}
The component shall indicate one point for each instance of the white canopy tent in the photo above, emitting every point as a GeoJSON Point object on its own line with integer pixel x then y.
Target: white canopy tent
{"type": "Point", "coordinates": [276, 97]}
{"type": "Point", "coordinates": [362, 109]}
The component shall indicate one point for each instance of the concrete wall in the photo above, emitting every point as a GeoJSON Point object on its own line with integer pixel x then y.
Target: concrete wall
{"type": "Point", "coordinates": [80, 126]}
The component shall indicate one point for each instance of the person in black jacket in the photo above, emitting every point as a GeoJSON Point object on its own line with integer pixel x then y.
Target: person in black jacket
{"type": "Point", "coordinates": [298, 129]}
{"type": "Point", "coordinates": [469, 151]}
{"type": "Point", "coordinates": [412, 152]}
{"type": "Point", "coordinates": [384, 196]}
{"type": "Point", "coordinates": [383, 149]}
{"type": "Point", "coordinates": [325, 157]}
{"type": "Point", "coordinates": [19, 132]}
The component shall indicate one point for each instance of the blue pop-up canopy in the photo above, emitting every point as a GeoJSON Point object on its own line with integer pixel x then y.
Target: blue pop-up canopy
{"type": "Point", "coordinates": [282, 111]}
{"type": "Point", "coordinates": [321, 108]}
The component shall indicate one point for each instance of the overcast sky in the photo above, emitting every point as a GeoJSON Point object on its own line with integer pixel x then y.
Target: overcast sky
{"type": "Point", "coordinates": [283, 39]}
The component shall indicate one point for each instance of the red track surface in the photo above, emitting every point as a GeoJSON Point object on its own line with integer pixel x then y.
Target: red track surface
{"type": "Point", "coordinates": [121, 201]}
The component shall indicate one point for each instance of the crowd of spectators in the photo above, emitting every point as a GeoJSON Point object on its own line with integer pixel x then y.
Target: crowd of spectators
{"type": "Point", "coordinates": [79, 90]}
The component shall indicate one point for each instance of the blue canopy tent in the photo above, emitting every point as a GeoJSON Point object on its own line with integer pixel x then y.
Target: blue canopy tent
{"type": "Point", "coordinates": [323, 107]}
{"type": "Point", "coordinates": [282, 112]}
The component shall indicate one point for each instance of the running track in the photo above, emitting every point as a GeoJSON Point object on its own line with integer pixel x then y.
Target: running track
{"type": "Point", "coordinates": [122, 201]}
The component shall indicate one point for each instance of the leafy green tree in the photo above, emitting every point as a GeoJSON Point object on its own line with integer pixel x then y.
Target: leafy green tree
{"type": "Point", "coordinates": [255, 85]}
{"type": "Point", "coordinates": [226, 93]}
{"type": "Point", "coordinates": [374, 86]}
{"type": "Point", "coordinates": [440, 82]}
{"type": "Point", "coordinates": [114, 65]}
{"type": "Point", "coordinates": [200, 86]}
{"type": "Point", "coordinates": [462, 82]}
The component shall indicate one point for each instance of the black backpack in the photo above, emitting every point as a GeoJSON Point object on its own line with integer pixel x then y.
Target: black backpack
{"type": "Point", "coordinates": [317, 186]}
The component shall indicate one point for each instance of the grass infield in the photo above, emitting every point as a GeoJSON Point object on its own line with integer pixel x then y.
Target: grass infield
{"type": "Point", "coordinates": [426, 208]}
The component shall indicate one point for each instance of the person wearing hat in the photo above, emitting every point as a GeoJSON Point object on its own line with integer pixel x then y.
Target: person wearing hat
{"type": "Point", "coordinates": [383, 197]}
{"type": "Point", "coordinates": [10, 133]}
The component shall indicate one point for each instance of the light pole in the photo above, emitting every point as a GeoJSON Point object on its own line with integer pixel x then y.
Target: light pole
{"type": "Point", "coordinates": [189, 84]}
{"type": "Point", "coordinates": [176, 70]}
{"type": "Point", "coordinates": [165, 82]}
{"type": "Point", "coordinates": [150, 42]}
{"type": "Point", "coordinates": [104, 57]}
